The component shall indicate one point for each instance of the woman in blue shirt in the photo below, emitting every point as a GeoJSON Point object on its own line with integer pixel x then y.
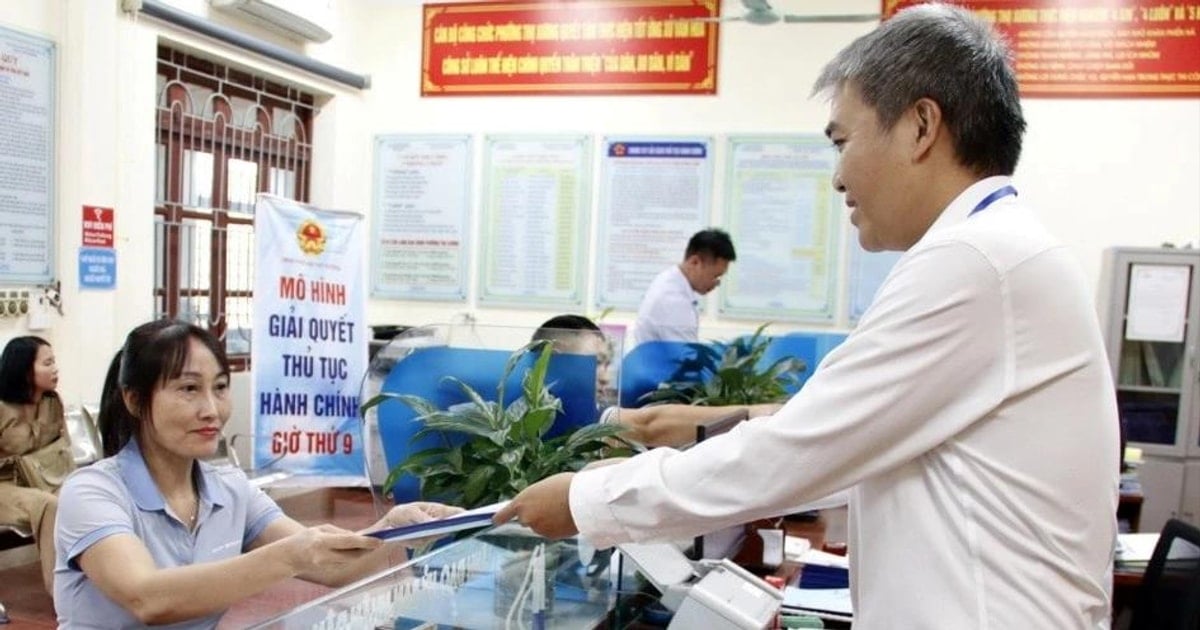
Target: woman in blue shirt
{"type": "Point", "coordinates": [153, 535]}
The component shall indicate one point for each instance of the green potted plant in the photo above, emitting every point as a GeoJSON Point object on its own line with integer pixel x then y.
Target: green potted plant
{"type": "Point", "coordinates": [730, 376]}
{"type": "Point", "coordinates": [504, 450]}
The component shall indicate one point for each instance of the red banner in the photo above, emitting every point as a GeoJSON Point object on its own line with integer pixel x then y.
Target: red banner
{"type": "Point", "coordinates": [1102, 48]}
{"type": "Point", "coordinates": [576, 47]}
{"type": "Point", "coordinates": [97, 226]}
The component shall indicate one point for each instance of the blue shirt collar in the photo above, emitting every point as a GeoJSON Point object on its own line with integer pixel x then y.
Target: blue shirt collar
{"type": "Point", "coordinates": [146, 494]}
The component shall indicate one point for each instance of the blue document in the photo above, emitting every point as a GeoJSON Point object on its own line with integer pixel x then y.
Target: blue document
{"type": "Point", "coordinates": [471, 519]}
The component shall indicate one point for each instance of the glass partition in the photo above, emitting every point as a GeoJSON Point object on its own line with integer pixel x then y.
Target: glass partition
{"type": "Point", "coordinates": [488, 580]}
{"type": "Point", "coordinates": [433, 363]}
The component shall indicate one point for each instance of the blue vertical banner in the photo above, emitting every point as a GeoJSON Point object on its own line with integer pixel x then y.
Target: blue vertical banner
{"type": "Point", "coordinates": [309, 350]}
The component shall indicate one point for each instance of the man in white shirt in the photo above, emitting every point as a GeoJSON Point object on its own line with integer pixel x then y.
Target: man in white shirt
{"type": "Point", "coordinates": [971, 415]}
{"type": "Point", "coordinates": [670, 309]}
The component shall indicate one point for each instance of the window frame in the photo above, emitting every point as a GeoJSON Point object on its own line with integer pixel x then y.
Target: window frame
{"type": "Point", "coordinates": [182, 125]}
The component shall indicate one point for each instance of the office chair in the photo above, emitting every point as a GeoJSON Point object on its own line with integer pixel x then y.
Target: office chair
{"type": "Point", "coordinates": [1169, 597]}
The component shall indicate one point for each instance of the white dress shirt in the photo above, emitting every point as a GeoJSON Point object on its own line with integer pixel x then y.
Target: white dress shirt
{"type": "Point", "coordinates": [972, 417]}
{"type": "Point", "coordinates": [670, 310]}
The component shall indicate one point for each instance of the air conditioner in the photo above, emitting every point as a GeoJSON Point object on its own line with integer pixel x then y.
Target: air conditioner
{"type": "Point", "coordinates": [295, 19]}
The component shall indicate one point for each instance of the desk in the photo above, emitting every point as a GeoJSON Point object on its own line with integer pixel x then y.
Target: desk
{"type": "Point", "coordinates": [1126, 583]}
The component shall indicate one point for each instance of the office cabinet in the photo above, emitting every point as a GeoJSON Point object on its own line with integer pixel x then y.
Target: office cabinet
{"type": "Point", "coordinates": [1152, 331]}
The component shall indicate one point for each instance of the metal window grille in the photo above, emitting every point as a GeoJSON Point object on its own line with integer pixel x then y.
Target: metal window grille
{"type": "Point", "coordinates": [224, 135]}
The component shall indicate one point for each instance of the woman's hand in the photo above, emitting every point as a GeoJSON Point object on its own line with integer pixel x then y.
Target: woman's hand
{"type": "Point", "coordinates": [323, 548]}
{"type": "Point", "coordinates": [417, 512]}
{"type": "Point", "coordinates": [412, 514]}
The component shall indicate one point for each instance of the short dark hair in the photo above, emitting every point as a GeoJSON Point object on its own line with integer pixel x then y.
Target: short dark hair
{"type": "Point", "coordinates": [153, 354]}
{"type": "Point", "coordinates": [709, 244]}
{"type": "Point", "coordinates": [947, 54]}
{"type": "Point", "coordinates": [566, 329]}
{"type": "Point", "coordinates": [16, 369]}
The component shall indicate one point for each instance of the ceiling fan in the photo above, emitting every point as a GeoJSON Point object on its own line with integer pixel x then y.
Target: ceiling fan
{"type": "Point", "coordinates": [760, 12]}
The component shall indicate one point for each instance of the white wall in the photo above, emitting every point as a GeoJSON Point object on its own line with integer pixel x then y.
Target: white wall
{"type": "Point", "coordinates": [1102, 172]}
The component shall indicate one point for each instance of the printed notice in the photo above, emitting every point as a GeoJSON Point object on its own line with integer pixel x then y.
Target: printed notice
{"type": "Point", "coordinates": [27, 99]}
{"type": "Point", "coordinates": [422, 205]}
{"type": "Point", "coordinates": [535, 216]}
{"type": "Point", "coordinates": [656, 194]}
{"type": "Point", "coordinates": [784, 222]}
{"type": "Point", "coordinates": [1158, 296]}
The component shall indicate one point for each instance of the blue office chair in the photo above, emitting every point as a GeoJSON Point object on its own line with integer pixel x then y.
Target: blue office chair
{"type": "Point", "coordinates": [801, 346]}
{"type": "Point", "coordinates": [571, 377]}
{"type": "Point", "coordinates": [1169, 597]}
{"type": "Point", "coordinates": [809, 347]}
{"type": "Point", "coordinates": [654, 362]}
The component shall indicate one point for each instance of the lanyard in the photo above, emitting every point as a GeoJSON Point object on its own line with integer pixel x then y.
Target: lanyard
{"type": "Point", "coordinates": [990, 199]}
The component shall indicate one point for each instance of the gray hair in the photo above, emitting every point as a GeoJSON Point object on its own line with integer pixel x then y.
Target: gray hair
{"type": "Point", "coordinates": [949, 55]}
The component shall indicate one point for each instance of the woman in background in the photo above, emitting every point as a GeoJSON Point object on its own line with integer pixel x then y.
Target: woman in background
{"type": "Point", "coordinates": [31, 417]}
{"type": "Point", "coordinates": [152, 535]}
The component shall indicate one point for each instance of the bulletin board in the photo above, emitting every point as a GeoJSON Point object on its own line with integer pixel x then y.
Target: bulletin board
{"type": "Point", "coordinates": [536, 208]}
{"type": "Point", "coordinates": [27, 186]}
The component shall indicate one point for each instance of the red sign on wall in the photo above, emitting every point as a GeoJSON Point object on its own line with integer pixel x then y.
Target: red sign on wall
{"type": "Point", "coordinates": [1100, 48]}
{"type": "Point", "coordinates": [97, 226]}
{"type": "Point", "coordinates": [575, 47]}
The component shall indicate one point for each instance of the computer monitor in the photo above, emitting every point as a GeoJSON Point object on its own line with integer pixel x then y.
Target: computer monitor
{"type": "Point", "coordinates": [722, 543]}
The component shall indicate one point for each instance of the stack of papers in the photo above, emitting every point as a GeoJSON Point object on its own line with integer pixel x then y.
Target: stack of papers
{"type": "Point", "coordinates": [824, 570]}
{"type": "Point", "coordinates": [1134, 550]}
{"type": "Point", "coordinates": [830, 603]}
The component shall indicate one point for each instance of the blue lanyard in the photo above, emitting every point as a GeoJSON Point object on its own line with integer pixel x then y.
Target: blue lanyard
{"type": "Point", "coordinates": [990, 199]}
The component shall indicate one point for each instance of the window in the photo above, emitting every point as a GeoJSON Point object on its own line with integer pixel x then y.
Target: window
{"type": "Point", "coordinates": [224, 135]}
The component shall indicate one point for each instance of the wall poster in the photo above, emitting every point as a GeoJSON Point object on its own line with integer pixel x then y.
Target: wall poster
{"type": "Point", "coordinates": [535, 214]}
{"type": "Point", "coordinates": [783, 215]}
{"type": "Point", "coordinates": [1066, 48]}
{"type": "Point", "coordinates": [419, 241]}
{"type": "Point", "coordinates": [517, 47]}
{"type": "Point", "coordinates": [655, 194]}
{"type": "Point", "coordinates": [27, 206]}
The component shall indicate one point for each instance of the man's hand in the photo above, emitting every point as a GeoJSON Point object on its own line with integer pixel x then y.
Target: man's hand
{"type": "Point", "coordinates": [543, 507]}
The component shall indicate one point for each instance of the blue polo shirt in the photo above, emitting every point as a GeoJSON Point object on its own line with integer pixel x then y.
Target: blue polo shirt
{"type": "Point", "coordinates": [116, 495]}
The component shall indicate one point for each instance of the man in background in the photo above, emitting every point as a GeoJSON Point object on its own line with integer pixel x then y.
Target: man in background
{"type": "Point", "coordinates": [670, 310]}
{"type": "Point", "coordinates": [653, 425]}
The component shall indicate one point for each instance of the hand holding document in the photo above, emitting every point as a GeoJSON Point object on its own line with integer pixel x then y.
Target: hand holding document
{"type": "Point", "coordinates": [471, 519]}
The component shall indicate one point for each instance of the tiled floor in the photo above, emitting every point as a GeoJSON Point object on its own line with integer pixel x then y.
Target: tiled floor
{"type": "Point", "coordinates": [30, 607]}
